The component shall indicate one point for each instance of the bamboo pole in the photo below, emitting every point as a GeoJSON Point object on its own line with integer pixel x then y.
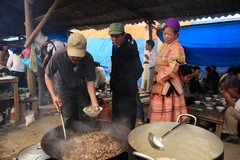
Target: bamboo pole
{"type": "Point", "coordinates": [29, 28]}
{"type": "Point", "coordinates": [41, 24]}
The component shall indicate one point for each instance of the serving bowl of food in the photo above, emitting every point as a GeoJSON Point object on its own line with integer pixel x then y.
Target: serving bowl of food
{"type": "Point", "coordinates": [197, 102]}
{"type": "Point", "coordinates": [220, 108]}
{"type": "Point", "coordinates": [93, 111]}
{"type": "Point", "coordinates": [208, 98]}
{"type": "Point", "coordinates": [209, 104]}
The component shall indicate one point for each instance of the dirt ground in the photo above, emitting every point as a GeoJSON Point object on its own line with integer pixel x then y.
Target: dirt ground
{"type": "Point", "coordinates": [14, 138]}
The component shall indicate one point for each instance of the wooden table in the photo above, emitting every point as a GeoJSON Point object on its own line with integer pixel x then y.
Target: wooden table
{"type": "Point", "coordinates": [15, 98]}
{"type": "Point", "coordinates": [33, 102]}
{"type": "Point", "coordinates": [107, 106]}
{"type": "Point", "coordinates": [208, 115]}
{"type": "Point", "coordinates": [144, 97]}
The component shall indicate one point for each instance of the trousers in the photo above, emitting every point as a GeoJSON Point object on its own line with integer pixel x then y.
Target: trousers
{"type": "Point", "coordinates": [231, 119]}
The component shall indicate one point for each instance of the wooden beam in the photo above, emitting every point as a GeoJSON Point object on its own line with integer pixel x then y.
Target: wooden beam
{"type": "Point", "coordinates": [29, 28]}
{"type": "Point", "coordinates": [41, 24]}
{"type": "Point", "coordinates": [150, 29]}
{"type": "Point", "coordinates": [62, 10]}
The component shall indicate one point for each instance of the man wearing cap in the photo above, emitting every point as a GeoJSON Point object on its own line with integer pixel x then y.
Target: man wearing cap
{"type": "Point", "coordinates": [75, 71]}
{"type": "Point", "coordinates": [126, 70]}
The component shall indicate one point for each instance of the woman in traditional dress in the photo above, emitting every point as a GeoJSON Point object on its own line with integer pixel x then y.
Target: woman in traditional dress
{"type": "Point", "coordinates": [168, 102]}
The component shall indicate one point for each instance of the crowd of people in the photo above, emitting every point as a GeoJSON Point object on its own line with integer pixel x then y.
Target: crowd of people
{"type": "Point", "coordinates": [72, 77]}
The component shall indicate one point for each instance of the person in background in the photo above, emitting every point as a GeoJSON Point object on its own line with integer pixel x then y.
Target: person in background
{"type": "Point", "coordinates": [151, 60]}
{"type": "Point", "coordinates": [185, 76]}
{"type": "Point", "coordinates": [48, 49]}
{"type": "Point", "coordinates": [211, 82]}
{"type": "Point", "coordinates": [100, 81]}
{"type": "Point", "coordinates": [231, 93]}
{"type": "Point", "coordinates": [125, 72]}
{"type": "Point", "coordinates": [194, 85]}
{"type": "Point", "coordinates": [216, 76]}
{"type": "Point", "coordinates": [222, 78]}
{"type": "Point", "coordinates": [231, 87]}
{"type": "Point", "coordinates": [168, 103]}
{"type": "Point", "coordinates": [140, 111]}
{"type": "Point", "coordinates": [75, 71]}
{"type": "Point", "coordinates": [17, 68]}
{"type": "Point", "coordinates": [4, 58]}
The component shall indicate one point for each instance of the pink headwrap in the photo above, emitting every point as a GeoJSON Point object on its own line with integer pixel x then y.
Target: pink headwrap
{"type": "Point", "coordinates": [172, 22]}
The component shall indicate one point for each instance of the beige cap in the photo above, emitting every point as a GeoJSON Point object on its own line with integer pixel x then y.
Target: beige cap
{"type": "Point", "coordinates": [76, 45]}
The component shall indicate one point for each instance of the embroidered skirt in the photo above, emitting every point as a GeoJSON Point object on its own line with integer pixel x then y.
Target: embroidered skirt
{"type": "Point", "coordinates": [166, 109]}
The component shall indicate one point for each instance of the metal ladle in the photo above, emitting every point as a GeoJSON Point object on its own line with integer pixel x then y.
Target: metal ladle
{"type": "Point", "coordinates": [157, 142]}
{"type": "Point", "coordinates": [63, 125]}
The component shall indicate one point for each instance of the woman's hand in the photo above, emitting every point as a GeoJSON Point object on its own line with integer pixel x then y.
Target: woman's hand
{"type": "Point", "coordinates": [160, 82]}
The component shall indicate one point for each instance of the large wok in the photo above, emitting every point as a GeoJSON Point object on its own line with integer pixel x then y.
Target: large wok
{"type": "Point", "coordinates": [53, 141]}
{"type": "Point", "coordinates": [187, 142]}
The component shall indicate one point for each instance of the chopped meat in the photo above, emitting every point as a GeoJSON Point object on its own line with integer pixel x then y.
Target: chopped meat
{"type": "Point", "coordinates": [92, 146]}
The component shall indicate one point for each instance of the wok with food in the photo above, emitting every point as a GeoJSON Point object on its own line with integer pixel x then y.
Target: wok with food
{"type": "Point", "coordinates": [92, 140]}
{"type": "Point", "coordinates": [187, 142]}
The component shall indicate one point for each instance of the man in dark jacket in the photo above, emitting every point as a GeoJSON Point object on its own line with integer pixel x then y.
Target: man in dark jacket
{"type": "Point", "coordinates": [126, 70]}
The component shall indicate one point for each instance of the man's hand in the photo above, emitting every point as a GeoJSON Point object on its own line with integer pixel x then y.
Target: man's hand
{"type": "Point", "coordinates": [146, 56]}
{"type": "Point", "coordinates": [158, 25]}
{"type": "Point", "coordinates": [57, 102]}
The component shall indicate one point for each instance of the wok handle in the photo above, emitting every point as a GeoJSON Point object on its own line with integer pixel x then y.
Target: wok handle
{"type": "Point", "coordinates": [189, 115]}
{"type": "Point", "coordinates": [177, 126]}
{"type": "Point", "coordinates": [138, 154]}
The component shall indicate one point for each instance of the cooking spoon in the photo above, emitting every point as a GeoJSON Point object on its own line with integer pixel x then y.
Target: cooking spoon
{"type": "Point", "coordinates": [63, 125]}
{"type": "Point", "coordinates": [157, 142]}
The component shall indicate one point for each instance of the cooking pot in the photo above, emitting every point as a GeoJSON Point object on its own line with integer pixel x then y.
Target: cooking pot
{"type": "Point", "coordinates": [32, 152]}
{"type": "Point", "coordinates": [53, 141]}
{"type": "Point", "coordinates": [187, 142]}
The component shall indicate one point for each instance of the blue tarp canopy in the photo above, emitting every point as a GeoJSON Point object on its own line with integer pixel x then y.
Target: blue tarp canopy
{"type": "Point", "coordinates": [211, 44]}
{"type": "Point", "coordinates": [206, 44]}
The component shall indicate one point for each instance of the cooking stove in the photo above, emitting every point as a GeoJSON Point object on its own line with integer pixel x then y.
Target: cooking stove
{"type": "Point", "coordinates": [33, 152]}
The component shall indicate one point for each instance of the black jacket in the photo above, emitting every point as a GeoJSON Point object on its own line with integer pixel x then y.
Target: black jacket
{"type": "Point", "coordinates": [126, 69]}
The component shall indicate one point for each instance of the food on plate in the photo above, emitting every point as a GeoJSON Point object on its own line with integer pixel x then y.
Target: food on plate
{"type": "Point", "coordinates": [92, 109]}
{"type": "Point", "coordinates": [209, 104]}
{"type": "Point", "coordinates": [92, 146]}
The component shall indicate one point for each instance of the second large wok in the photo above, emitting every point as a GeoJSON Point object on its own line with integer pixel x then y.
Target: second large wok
{"type": "Point", "coordinates": [187, 142]}
{"type": "Point", "coordinates": [53, 141]}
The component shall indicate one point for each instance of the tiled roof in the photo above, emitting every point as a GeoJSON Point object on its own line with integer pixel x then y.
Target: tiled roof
{"type": "Point", "coordinates": [98, 14]}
